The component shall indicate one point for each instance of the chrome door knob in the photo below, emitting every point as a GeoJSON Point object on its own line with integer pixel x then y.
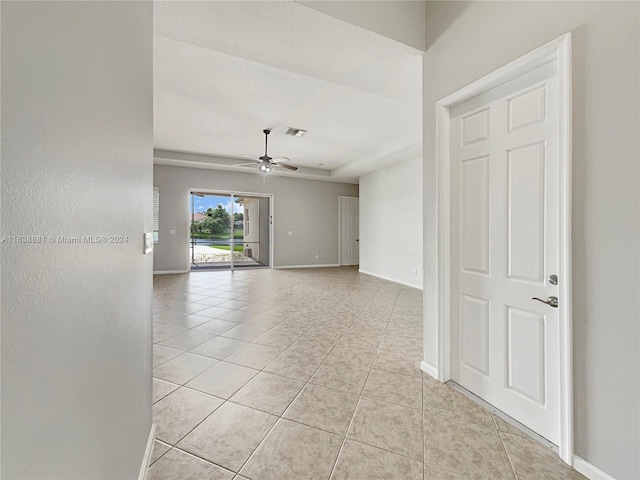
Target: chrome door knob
{"type": "Point", "coordinates": [551, 301]}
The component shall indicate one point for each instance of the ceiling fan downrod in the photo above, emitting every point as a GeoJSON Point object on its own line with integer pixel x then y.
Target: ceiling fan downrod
{"type": "Point", "coordinates": [266, 138]}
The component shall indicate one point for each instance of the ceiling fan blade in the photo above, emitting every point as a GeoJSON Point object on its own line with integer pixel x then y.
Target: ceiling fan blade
{"type": "Point", "coordinates": [288, 167]}
{"type": "Point", "coordinates": [281, 159]}
{"type": "Point", "coordinates": [250, 158]}
{"type": "Point", "coordinates": [244, 165]}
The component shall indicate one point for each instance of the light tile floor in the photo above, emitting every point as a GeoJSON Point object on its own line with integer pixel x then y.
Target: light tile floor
{"type": "Point", "coordinates": [313, 374]}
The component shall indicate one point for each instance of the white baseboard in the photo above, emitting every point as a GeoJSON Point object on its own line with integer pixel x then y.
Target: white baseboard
{"type": "Point", "coordinates": [590, 471]}
{"type": "Point", "coordinates": [144, 468]}
{"type": "Point", "coordinates": [428, 369]}
{"type": "Point", "coordinates": [408, 284]}
{"type": "Point", "coordinates": [282, 267]}
{"type": "Point", "coordinates": [169, 272]}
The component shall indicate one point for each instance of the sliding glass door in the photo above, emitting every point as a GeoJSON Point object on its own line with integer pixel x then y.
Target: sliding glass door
{"type": "Point", "coordinates": [254, 231]}
{"type": "Point", "coordinates": [229, 231]}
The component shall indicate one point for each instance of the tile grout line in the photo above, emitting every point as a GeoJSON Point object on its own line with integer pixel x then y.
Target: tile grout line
{"type": "Point", "coordinates": [353, 416]}
{"type": "Point", "coordinates": [200, 458]}
{"type": "Point", "coordinates": [206, 356]}
{"type": "Point", "coordinates": [504, 448]}
{"type": "Point", "coordinates": [224, 400]}
{"type": "Point", "coordinates": [306, 383]}
{"type": "Point", "coordinates": [289, 406]}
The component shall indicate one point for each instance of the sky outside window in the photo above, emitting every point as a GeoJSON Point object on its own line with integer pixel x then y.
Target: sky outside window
{"type": "Point", "coordinates": [201, 204]}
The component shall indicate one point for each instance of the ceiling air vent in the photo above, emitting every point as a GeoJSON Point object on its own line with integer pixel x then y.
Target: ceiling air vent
{"type": "Point", "coordinates": [295, 132]}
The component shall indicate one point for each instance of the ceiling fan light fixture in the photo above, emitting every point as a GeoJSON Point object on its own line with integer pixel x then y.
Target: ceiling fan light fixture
{"type": "Point", "coordinates": [265, 167]}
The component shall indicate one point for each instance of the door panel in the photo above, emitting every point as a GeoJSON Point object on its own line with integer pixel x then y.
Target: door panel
{"type": "Point", "coordinates": [525, 246]}
{"type": "Point", "coordinates": [504, 240]}
{"type": "Point", "coordinates": [349, 228]}
{"type": "Point", "coordinates": [211, 231]}
{"type": "Point", "coordinates": [253, 231]}
{"type": "Point", "coordinates": [475, 215]}
{"type": "Point", "coordinates": [525, 353]}
{"type": "Point", "coordinates": [475, 127]}
{"type": "Point", "coordinates": [527, 109]}
{"type": "Point", "coordinates": [474, 338]}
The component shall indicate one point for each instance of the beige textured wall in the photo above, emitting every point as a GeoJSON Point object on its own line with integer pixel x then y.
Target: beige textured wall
{"type": "Point", "coordinates": [391, 222]}
{"type": "Point", "coordinates": [77, 159]}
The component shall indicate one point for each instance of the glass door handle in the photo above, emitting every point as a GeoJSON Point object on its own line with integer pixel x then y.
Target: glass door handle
{"type": "Point", "coordinates": [551, 301]}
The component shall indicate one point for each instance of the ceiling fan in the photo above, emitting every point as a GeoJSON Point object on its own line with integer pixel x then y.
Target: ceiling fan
{"type": "Point", "coordinates": [266, 162]}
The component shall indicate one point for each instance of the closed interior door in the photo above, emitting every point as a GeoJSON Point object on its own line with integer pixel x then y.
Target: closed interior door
{"type": "Point", "coordinates": [349, 224]}
{"type": "Point", "coordinates": [504, 207]}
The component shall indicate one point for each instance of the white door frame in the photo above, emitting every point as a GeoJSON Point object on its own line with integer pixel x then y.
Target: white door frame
{"type": "Point", "coordinates": [233, 193]}
{"type": "Point", "coordinates": [558, 50]}
{"type": "Point", "coordinates": [340, 227]}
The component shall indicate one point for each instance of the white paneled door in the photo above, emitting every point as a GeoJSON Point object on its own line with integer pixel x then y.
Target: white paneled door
{"type": "Point", "coordinates": [504, 237]}
{"type": "Point", "coordinates": [349, 228]}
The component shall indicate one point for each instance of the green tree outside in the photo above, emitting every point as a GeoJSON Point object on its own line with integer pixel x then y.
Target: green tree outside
{"type": "Point", "coordinates": [217, 225]}
{"type": "Point", "coordinates": [218, 221]}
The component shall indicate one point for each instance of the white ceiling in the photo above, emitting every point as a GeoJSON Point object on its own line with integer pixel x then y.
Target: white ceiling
{"type": "Point", "coordinates": [226, 70]}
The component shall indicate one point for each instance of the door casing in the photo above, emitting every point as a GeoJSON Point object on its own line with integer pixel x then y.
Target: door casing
{"type": "Point", "coordinates": [558, 50]}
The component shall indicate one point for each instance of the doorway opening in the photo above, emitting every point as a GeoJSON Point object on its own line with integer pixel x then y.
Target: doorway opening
{"type": "Point", "coordinates": [228, 231]}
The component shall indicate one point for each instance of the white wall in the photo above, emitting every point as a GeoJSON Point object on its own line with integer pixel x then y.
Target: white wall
{"type": "Point", "coordinates": [470, 40]}
{"type": "Point", "coordinates": [76, 160]}
{"type": "Point", "coordinates": [391, 223]}
{"type": "Point", "coordinates": [399, 20]}
{"type": "Point", "coordinates": [307, 208]}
